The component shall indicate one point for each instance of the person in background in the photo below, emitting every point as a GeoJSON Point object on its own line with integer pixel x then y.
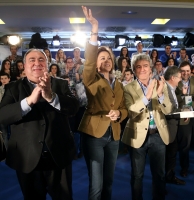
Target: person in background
{"type": "Point", "coordinates": [77, 60]}
{"type": "Point", "coordinates": [183, 56]}
{"type": "Point", "coordinates": [158, 70]}
{"type": "Point", "coordinates": [128, 77]}
{"type": "Point", "coordinates": [13, 58]}
{"type": "Point", "coordinates": [139, 48]}
{"type": "Point", "coordinates": [49, 56]}
{"type": "Point", "coordinates": [22, 74]}
{"type": "Point", "coordinates": [19, 68]}
{"type": "Point", "coordinates": [146, 131]}
{"type": "Point", "coordinates": [172, 77]}
{"type": "Point", "coordinates": [124, 53]}
{"type": "Point", "coordinates": [54, 70]}
{"type": "Point", "coordinates": [168, 54]}
{"type": "Point", "coordinates": [154, 56]}
{"type": "Point", "coordinates": [4, 79]}
{"type": "Point", "coordinates": [122, 66]}
{"type": "Point", "coordinates": [6, 68]}
{"type": "Point", "coordinates": [185, 129]}
{"type": "Point", "coordinates": [105, 110]}
{"type": "Point", "coordinates": [61, 59]}
{"type": "Point", "coordinates": [41, 145]}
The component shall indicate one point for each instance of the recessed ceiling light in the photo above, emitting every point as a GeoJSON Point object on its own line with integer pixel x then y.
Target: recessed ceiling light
{"type": "Point", "coordinates": [77, 20]}
{"type": "Point", "coordinates": [160, 21]}
{"type": "Point", "coordinates": [2, 22]}
{"type": "Point", "coordinates": [129, 12]}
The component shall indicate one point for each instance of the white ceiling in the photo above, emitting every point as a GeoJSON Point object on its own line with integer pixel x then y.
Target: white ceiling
{"type": "Point", "coordinates": [51, 18]}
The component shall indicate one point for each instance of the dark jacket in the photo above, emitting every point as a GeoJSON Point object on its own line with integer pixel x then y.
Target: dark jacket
{"type": "Point", "coordinates": [43, 124]}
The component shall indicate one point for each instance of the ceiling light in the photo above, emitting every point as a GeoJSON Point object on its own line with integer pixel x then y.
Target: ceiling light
{"type": "Point", "coordinates": [129, 12]}
{"type": "Point", "coordinates": [157, 40]}
{"type": "Point", "coordinates": [2, 22]}
{"type": "Point", "coordinates": [160, 21]}
{"type": "Point", "coordinates": [79, 39]}
{"type": "Point", "coordinates": [77, 20]}
{"type": "Point", "coordinates": [56, 41]}
{"type": "Point", "coordinates": [13, 39]}
{"type": "Point", "coordinates": [120, 40]}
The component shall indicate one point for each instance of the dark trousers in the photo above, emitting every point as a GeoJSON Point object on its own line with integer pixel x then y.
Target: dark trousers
{"type": "Point", "coordinates": [54, 181]}
{"type": "Point", "coordinates": [155, 148]}
{"type": "Point", "coordinates": [184, 140]}
{"type": "Point", "coordinates": [171, 152]}
{"type": "Point", "coordinates": [100, 156]}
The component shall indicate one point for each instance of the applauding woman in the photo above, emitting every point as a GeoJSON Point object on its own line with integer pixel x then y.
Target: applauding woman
{"type": "Point", "coordinates": [101, 121]}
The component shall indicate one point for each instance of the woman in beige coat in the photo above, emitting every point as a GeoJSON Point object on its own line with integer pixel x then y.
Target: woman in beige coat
{"type": "Point", "coordinates": [101, 121]}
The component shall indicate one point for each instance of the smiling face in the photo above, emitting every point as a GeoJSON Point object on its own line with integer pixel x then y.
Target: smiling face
{"type": "Point", "coordinates": [104, 62]}
{"type": "Point", "coordinates": [142, 70]}
{"type": "Point", "coordinates": [185, 72]}
{"type": "Point", "coordinates": [35, 65]}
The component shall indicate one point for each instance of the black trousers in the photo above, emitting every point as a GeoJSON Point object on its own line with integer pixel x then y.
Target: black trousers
{"type": "Point", "coordinates": [171, 152]}
{"type": "Point", "coordinates": [184, 136]}
{"type": "Point", "coordinates": [46, 178]}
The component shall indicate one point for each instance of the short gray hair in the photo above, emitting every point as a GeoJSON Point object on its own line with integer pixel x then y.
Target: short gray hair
{"type": "Point", "coordinates": [138, 57]}
{"type": "Point", "coordinates": [171, 71]}
{"type": "Point", "coordinates": [36, 50]}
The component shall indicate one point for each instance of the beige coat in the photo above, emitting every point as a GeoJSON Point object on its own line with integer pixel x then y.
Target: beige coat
{"type": "Point", "coordinates": [101, 99]}
{"type": "Point", "coordinates": [137, 126]}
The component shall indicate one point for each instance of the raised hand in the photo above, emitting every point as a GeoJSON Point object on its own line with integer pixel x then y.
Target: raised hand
{"type": "Point", "coordinates": [89, 17]}
{"type": "Point", "coordinates": [160, 86]}
{"type": "Point", "coordinates": [45, 86]}
{"type": "Point", "coordinates": [150, 89]}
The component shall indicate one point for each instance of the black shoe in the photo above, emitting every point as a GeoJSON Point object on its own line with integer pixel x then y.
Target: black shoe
{"type": "Point", "coordinates": [176, 181]}
{"type": "Point", "coordinates": [184, 173]}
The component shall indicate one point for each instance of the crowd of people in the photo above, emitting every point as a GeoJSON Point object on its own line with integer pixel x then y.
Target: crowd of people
{"type": "Point", "coordinates": [55, 110]}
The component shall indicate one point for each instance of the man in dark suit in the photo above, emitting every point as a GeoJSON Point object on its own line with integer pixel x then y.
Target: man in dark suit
{"type": "Point", "coordinates": [172, 77]}
{"type": "Point", "coordinates": [40, 147]}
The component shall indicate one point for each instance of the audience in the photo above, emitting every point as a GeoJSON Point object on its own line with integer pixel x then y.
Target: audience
{"type": "Point", "coordinates": [54, 70]}
{"type": "Point", "coordinates": [61, 59]}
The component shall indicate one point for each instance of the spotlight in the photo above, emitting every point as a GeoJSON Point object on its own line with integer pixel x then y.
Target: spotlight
{"type": "Point", "coordinates": [120, 40]}
{"type": "Point", "coordinates": [56, 40]}
{"type": "Point", "coordinates": [174, 41]}
{"type": "Point", "coordinates": [79, 39]}
{"type": "Point", "coordinates": [137, 40]}
{"type": "Point", "coordinates": [188, 39]}
{"type": "Point", "coordinates": [157, 40]}
{"type": "Point", "coordinates": [11, 40]}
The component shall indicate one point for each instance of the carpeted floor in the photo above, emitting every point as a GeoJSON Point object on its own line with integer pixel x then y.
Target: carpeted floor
{"type": "Point", "coordinates": [10, 190]}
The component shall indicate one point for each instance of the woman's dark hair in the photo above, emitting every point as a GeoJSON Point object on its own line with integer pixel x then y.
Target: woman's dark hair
{"type": "Point", "coordinates": [166, 64]}
{"type": "Point", "coordinates": [152, 52]}
{"type": "Point", "coordinates": [3, 65]}
{"type": "Point", "coordinates": [58, 69]}
{"type": "Point", "coordinates": [121, 52]}
{"type": "Point", "coordinates": [120, 60]}
{"type": "Point", "coordinates": [49, 59]}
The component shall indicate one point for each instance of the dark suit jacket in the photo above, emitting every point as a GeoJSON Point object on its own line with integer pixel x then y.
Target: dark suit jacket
{"type": "Point", "coordinates": [172, 122]}
{"type": "Point", "coordinates": [42, 123]}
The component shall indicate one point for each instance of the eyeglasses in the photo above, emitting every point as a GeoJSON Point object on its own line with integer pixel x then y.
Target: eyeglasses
{"type": "Point", "coordinates": [70, 62]}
